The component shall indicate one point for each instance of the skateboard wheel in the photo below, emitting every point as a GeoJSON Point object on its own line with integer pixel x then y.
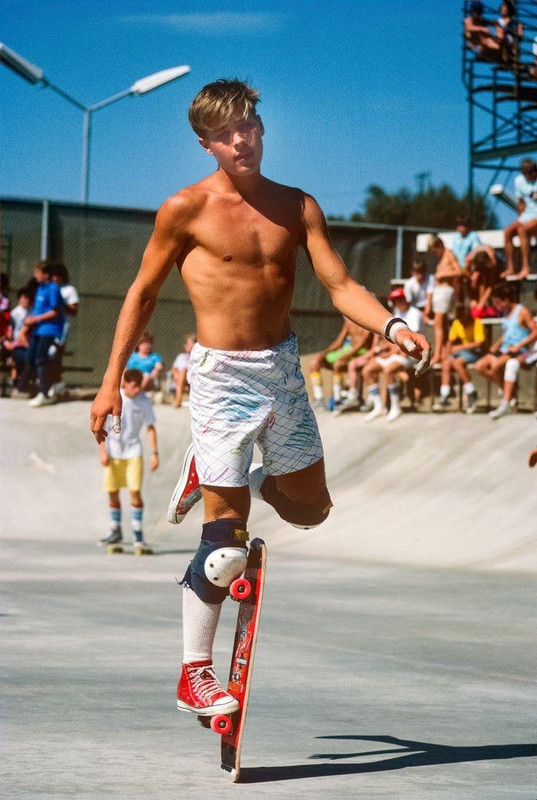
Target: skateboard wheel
{"type": "Point", "coordinates": [221, 724]}
{"type": "Point", "coordinates": [240, 589]}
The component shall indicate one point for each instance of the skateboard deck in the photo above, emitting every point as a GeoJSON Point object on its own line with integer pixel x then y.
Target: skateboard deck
{"type": "Point", "coordinates": [115, 549]}
{"type": "Point", "coordinates": [248, 591]}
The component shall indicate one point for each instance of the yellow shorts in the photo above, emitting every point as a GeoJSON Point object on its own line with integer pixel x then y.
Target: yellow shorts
{"type": "Point", "coordinates": [122, 472]}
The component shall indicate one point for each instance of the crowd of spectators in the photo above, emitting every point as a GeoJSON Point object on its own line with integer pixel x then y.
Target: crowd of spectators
{"type": "Point", "coordinates": [467, 287]}
{"type": "Point", "coordinates": [498, 38]}
{"type": "Point", "coordinates": [34, 333]}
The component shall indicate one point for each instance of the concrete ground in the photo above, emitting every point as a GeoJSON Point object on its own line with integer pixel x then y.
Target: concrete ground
{"type": "Point", "coordinates": [396, 656]}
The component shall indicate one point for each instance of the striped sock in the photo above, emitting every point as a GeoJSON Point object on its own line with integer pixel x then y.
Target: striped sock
{"type": "Point", "coordinates": [136, 521]}
{"type": "Point", "coordinates": [115, 518]}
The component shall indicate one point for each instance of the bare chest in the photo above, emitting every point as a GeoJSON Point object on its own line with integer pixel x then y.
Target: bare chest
{"type": "Point", "coordinates": [239, 233]}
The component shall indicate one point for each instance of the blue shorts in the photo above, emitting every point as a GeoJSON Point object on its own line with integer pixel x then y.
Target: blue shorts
{"type": "Point", "coordinates": [242, 398]}
{"type": "Point", "coordinates": [468, 356]}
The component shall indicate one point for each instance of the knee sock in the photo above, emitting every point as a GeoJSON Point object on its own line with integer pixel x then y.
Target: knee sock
{"type": "Point", "coordinates": [445, 390]}
{"type": "Point", "coordinates": [393, 391]}
{"type": "Point", "coordinates": [115, 518]}
{"type": "Point", "coordinates": [200, 621]}
{"type": "Point", "coordinates": [316, 385]}
{"type": "Point", "coordinates": [469, 388]}
{"type": "Point", "coordinates": [374, 395]}
{"type": "Point", "coordinates": [336, 386]}
{"type": "Point", "coordinates": [136, 521]}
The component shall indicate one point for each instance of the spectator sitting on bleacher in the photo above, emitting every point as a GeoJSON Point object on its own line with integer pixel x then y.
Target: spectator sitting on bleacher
{"type": "Point", "coordinates": [508, 32]}
{"type": "Point", "coordinates": [478, 36]}
{"type": "Point", "coordinates": [180, 369]}
{"type": "Point", "coordinates": [149, 363]}
{"type": "Point", "coordinates": [441, 301]}
{"type": "Point", "coordinates": [353, 401]}
{"type": "Point", "coordinates": [391, 361]}
{"type": "Point", "coordinates": [419, 285]}
{"type": "Point", "coordinates": [17, 342]}
{"type": "Point", "coordinates": [60, 275]}
{"type": "Point", "coordinates": [481, 280]}
{"type": "Point", "coordinates": [465, 241]}
{"type": "Point", "coordinates": [525, 226]}
{"type": "Point", "coordinates": [350, 339]}
{"type": "Point", "coordinates": [466, 345]}
{"type": "Point", "coordinates": [519, 331]}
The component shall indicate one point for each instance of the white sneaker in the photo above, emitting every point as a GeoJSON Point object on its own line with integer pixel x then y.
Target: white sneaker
{"type": "Point", "coordinates": [40, 400]}
{"type": "Point", "coordinates": [56, 390]}
{"type": "Point", "coordinates": [395, 413]}
{"type": "Point", "coordinates": [377, 412]}
{"type": "Point", "coordinates": [502, 411]}
{"type": "Point", "coordinates": [351, 403]}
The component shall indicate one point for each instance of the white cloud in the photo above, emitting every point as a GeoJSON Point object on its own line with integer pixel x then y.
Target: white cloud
{"type": "Point", "coordinates": [218, 23]}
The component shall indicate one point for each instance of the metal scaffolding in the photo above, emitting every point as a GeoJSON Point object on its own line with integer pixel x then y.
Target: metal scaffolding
{"type": "Point", "coordinates": [502, 93]}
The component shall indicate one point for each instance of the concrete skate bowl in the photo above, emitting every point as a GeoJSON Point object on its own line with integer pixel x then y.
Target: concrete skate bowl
{"type": "Point", "coordinates": [445, 491]}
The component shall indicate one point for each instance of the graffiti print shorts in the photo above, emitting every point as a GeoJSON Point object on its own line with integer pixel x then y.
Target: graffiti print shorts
{"type": "Point", "coordinates": [242, 398]}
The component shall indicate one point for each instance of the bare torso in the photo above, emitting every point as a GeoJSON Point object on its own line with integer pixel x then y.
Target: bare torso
{"type": "Point", "coordinates": [239, 261]}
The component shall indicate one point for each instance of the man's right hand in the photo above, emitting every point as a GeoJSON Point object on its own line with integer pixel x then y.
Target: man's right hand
{"type": "Point", "coordinates": [107, 402]}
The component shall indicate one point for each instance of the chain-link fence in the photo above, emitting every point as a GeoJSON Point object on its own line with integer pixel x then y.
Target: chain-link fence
{"type": "Point", "coordinates": [102, 249]}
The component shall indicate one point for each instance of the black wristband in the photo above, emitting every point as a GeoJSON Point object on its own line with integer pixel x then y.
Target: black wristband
{"type": "Point", "coordinates": [390, 325]}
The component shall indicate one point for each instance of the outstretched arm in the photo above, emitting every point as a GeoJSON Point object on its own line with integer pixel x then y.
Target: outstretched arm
{"type": "Point", "coordinates": [163, 250]}
{"type": "Point", "coordinates": [350, 298]}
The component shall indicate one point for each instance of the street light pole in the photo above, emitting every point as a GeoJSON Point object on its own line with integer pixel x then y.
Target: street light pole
{"type": "Point", "coordinates": [35, 75]}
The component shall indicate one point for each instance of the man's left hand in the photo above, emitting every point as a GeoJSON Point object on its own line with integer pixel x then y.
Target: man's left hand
{"type": "Point", "coordinates": [416, 346]}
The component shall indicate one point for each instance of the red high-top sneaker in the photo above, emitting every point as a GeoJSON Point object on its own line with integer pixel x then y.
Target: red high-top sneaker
{"type": "Point", "coordinates": [187, 491]}
{"type": "Point", "coordinates": [198, 690]}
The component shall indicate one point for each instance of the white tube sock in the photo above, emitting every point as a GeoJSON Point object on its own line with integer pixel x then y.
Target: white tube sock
{"type": "Point", "coordinates": [200, 621]}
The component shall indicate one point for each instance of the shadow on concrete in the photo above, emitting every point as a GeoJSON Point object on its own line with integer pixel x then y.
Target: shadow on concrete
{"type": "Point", "coordinates": [408, 754]}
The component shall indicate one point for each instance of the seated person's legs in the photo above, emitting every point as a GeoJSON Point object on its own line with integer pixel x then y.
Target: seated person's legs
{"type": "Point", "coordinates": [509, 233]}
{"type": "Point", "coordinates": [526, 231]}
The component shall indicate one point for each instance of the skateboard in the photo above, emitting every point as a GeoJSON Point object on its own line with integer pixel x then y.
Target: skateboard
{"type": "Point", "coordinates": [114, 549]}
{"type": "Point", "coordinates": [248, 591]}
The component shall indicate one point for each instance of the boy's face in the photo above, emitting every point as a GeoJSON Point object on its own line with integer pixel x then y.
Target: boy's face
{"type": "Point", "coordinates": [131, 389]}
{"type": "Point", "coordinates": [500, 304]}
{"type": "Point", "coordinates": [144, 348]}
{"type": "Point", "coordinates": [464, 230]}
{"type": "Point", "coordinates": [238, 146]}
{"type": "Point", "coordinates": [39, 275]}
{"type": "Point", "coordinates": [419, 275]}
{"type": "Point", "coordinates": [24, 301]}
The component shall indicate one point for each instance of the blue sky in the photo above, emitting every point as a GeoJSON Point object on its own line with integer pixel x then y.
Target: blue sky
{"type": "Point", "coordinates": [353, 93]}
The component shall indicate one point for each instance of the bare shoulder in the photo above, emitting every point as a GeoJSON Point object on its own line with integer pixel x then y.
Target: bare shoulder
{"type": "Point", "coordinates": [312, 214]}
{"type": "Point", "coordinates": [181, 208]}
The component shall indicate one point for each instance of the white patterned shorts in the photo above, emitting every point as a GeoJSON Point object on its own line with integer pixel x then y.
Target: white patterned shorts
{"type": "Point", "coordinates": [242, 398]}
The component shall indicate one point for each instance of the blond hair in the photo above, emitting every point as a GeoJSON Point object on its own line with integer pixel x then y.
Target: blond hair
{"type": "Point", "coordinates": [217, 102]}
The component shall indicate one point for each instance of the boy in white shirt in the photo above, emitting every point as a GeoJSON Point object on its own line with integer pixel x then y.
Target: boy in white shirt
{"type": "Point", "coordinates": [121, 457]}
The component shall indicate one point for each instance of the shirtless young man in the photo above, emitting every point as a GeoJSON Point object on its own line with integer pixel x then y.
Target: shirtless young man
{"type": "Point", "coordinates": [233, 237]}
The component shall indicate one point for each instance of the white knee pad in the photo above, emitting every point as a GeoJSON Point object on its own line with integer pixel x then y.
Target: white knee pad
{"type": "Point", "coordinates": [222, 566]}
{"type": "Point", "coordinates": [512, 368]}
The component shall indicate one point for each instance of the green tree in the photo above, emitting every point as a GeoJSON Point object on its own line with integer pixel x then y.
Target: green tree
{"type": "Point", "coordinates": [435, 207]}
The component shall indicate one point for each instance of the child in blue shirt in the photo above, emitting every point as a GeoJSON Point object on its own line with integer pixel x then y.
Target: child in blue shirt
{"type": "Point", "coordinates": [46, 324]}
{"type": "Point", "coordinates": [149, 363]}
